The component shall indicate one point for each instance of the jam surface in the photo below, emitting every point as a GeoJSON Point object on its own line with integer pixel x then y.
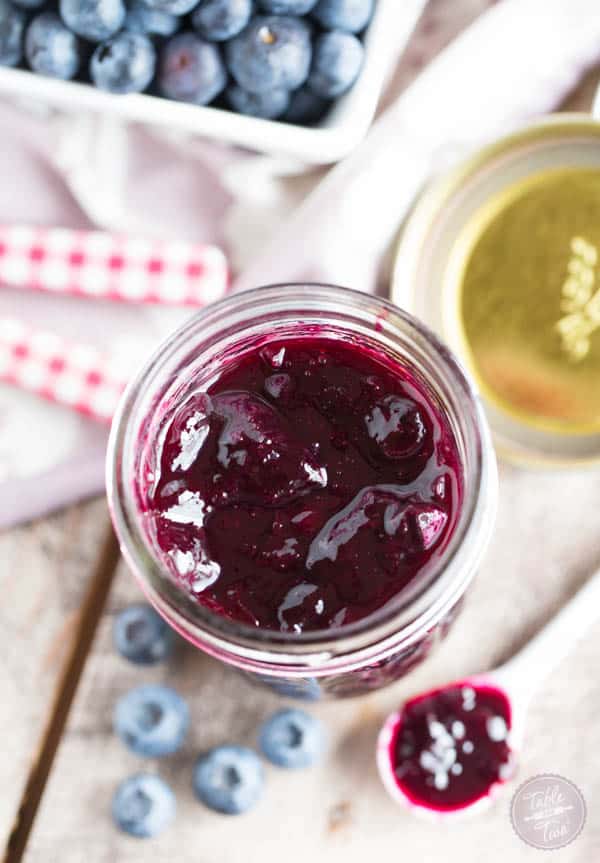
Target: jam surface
{"type": "Point", "coordinates": [451, 746]}
{"type": "Point", "coordinates": [305, 488]}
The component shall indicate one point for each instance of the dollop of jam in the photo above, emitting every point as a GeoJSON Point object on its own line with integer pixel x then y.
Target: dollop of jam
{"type": "Point", "coordinates": [305, 488]}
{"type": "Point", "coordinates": [451, 746]}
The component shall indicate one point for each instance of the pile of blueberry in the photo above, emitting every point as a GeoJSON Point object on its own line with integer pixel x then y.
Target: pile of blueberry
{"type": "Point", "coordinates": [153, 720]}
{"type": "Point", "coordinates": [276, 59]}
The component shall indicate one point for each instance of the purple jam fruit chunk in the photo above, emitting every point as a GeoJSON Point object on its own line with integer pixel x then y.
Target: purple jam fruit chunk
{"type": "Point", "coordinates": [397, 426]}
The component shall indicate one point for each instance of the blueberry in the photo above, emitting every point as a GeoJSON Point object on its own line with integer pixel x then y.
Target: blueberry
{"type": "Point", "coordinates": [273, 52]}
{"type": "Point", "coordinates": [124, 64]}
{"type": "Point", "coordinates": [152, 720]}
{"type": "Point", "coordinates": [95, 20]}
{"type": "Point", "coordinates": [287, 7]}
{"type": "Point", "coordinates": [219, 20]}
{"type": "Point", "coordinates": [150, 22]}
{"type": "Point", "coordinates": [306, 108]}
{"type": "Point", "coordinates": [143, 805]}
{"type": "Point", "coordinates": [269, 105]}
{"type": "Point", "coordinates": [292, 738]}
{"type": "Point", "coordinates": [174, 7]}
{"type": "Point", "coordinates": [229, 779]}
{"type": "Point", "coordinates": [191, 70]}
{"type": "Point", "coordinates": [141, 635]}
{"type": "Point", "coordinates": [51, 49]}
{"type": "Point", "coordinates": [337, 61]}
{"type": "Point", "coordinates": [12, 28]}
{"type": "Point", "coordinates": [349, 15]}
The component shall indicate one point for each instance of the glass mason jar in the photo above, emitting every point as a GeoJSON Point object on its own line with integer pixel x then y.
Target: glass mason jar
{"type": "Point", "coordinates": [382, 647]}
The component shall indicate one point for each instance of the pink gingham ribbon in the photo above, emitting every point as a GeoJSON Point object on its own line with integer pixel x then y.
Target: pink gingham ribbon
{"type": "Point", "coordinates": [75, 375]}
{"type": "Point", "coordinates": [111, 266]}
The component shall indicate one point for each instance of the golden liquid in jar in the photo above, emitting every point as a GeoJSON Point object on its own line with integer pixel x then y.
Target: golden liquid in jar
{"type": "Point", "coordinates": [524, 292]}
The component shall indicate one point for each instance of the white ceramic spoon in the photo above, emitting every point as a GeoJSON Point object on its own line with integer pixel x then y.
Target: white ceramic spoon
{"type": "Point", "coordinates": [518, 680]}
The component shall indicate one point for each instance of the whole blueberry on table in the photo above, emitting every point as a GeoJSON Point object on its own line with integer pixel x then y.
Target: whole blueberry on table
{"type": "Point", "coordinates": [287, 7]}
{"type": "Point", "coordinates": [191, 70]}
{"type": "Point", "coordinates": [124, 64]}
{"type": "Point", "coordinates": [349, 15]}
{"type": "Point", "coordinates": [268, 106]}
{"type": "Point", "coordinates": [274, 51]}
{"type": "Point", "coordinates": [95, 20]}
{"type": "Point", "coordinates": [12, 28]}
{"type": "Point", "coordinates": [152, 720]}
{"type": "Point", "coordinates": [292, 738]}
{"type": "Point", "coordinates": [150, 22]}
{"type": "Point", "coordinates": [143, 805]}
{"type": "Point", "coordinates": [175, 7]}
{"type": "Point", "coordinates": [219, 20]}
{"type": "Point", "coordinates": [141, 635]}
{"type": "Point", "coordinates": [337, 61]}
{"type": "Point", "coordinates": [51, 48]}
{"type": "Point", "coordinates": [306, 108]}
{"type": "Point", "coordinates": [229, 779]}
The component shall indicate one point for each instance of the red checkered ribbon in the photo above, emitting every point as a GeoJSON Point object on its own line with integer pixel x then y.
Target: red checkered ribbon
{"type": "Point", "coordinates": [77, 376]}
{"type": "Point", "coordinates": [114, 267]}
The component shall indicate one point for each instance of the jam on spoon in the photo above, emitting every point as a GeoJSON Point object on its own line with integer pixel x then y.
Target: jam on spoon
{"type": "Point", "coordinates": [450, 747]}
{"type": "Point", "coordinates": [305, 487]}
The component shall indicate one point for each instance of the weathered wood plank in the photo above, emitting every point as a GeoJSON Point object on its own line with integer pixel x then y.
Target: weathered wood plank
{"type": "Point", "coordinates": [43, 578]}
{"type": "Point", "coordinates": [546, 542]}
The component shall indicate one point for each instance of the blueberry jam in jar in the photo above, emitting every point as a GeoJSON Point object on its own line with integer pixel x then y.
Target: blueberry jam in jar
{"type": "Point", "coordinates": [305, 488]}
{"type": "Point", "coordinates": [302, 481]}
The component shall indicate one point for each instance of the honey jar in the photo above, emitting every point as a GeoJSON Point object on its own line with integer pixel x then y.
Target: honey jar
{"type": "Point", "coordinates": [501, 256]}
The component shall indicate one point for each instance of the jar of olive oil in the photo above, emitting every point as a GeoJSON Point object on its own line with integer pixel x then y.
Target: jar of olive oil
{"type": "Point", "coordinates": [502, 257]}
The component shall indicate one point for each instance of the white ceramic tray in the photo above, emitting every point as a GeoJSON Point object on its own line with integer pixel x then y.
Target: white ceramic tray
{"type": "Point", "coordinates": [335, 137]}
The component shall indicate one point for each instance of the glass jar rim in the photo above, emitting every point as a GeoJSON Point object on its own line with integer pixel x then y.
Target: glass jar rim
{"type": "Point", "coordinates": [440, 582]}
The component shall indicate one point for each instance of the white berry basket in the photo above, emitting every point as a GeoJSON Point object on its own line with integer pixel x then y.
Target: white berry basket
{"type": "Point", "coordinates": [335, 137]}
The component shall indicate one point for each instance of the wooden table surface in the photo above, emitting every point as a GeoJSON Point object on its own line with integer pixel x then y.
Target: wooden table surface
{"type": "Point", "coordinates": [62, 582]}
